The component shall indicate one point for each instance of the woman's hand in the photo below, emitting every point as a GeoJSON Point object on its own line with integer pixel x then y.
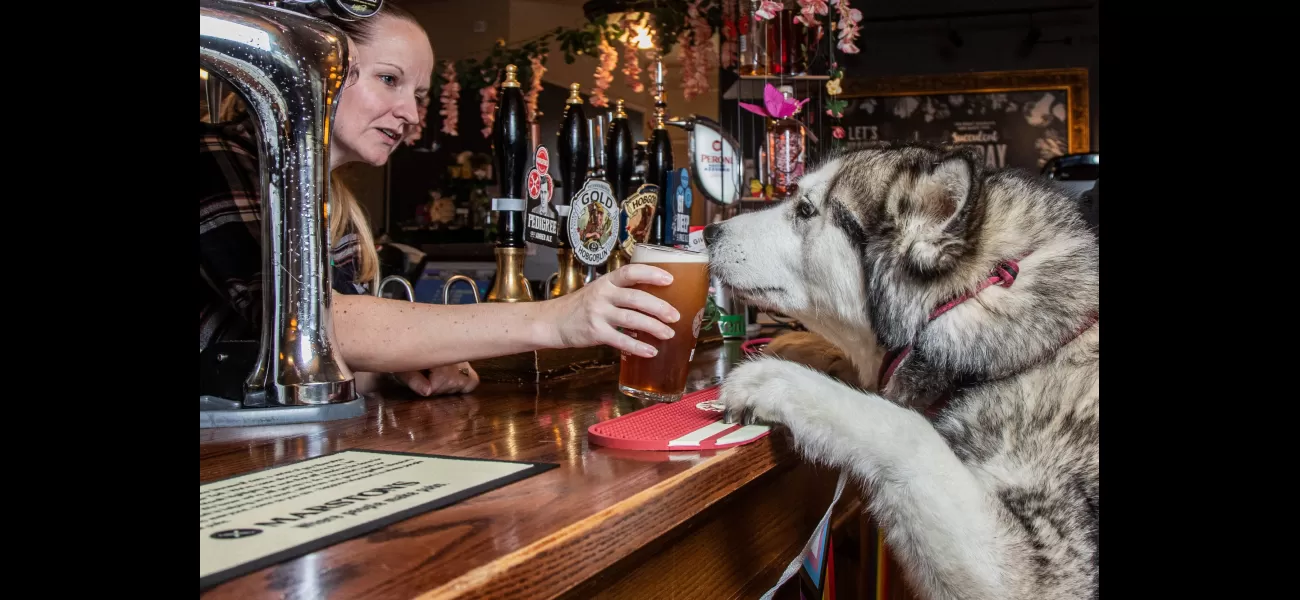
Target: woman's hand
{"type": "Point", "coordinates": [450, 379]}
{"type": "Point", "coordinates": [591, 315]}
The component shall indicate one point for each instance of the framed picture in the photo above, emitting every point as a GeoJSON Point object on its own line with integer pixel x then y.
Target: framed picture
{"type": "Point", "coordinates": [1014, 118]}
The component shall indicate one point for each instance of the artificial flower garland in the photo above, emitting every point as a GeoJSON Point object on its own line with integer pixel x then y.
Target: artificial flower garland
{"type": "Point", "coordinates": [632, 69]}
{"type": "Point", "coordinates": [848, 26]}
{"type": "Point", "coordinates": [487, 108]}
{"type": "Point", "coordinates": [693, 33]}
{"type": "Point", "coordinates": [808, 11]}
{"type": "Point", "coordinates": [535, 86]}
{"type": "Point", "coordinates": [767, 10]}
{"type": "Point", "coordinates": [604, 73]}
{"type": "Point", "coordinates": [631, 64]}
{"type": "Point", "coordinates": [450, 99]}
{"type": "Point", "coordinates": [697, 56]}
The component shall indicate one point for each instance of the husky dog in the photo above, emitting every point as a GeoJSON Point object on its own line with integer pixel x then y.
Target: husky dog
{"type": "Point", "coordinates": [979, 452]}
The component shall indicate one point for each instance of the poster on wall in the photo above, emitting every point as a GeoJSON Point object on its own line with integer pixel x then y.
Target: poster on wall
{"type": "Point", "coordinates": [1013, 119]}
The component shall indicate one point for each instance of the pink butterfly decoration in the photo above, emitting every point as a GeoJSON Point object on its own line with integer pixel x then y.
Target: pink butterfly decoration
{"type": "Point", "coordinates": [777, 107]}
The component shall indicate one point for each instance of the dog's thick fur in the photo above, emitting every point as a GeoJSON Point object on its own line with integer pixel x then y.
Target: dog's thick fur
{"type": "Point", "coordinates": [998, 497]}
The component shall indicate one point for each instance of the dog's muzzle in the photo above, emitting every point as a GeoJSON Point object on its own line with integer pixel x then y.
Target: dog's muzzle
{"type": "Point", "coordinates": [712, 234]}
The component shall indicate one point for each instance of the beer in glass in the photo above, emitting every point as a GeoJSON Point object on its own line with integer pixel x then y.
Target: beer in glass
{"type": "Point", "coordinates": [663, 378]}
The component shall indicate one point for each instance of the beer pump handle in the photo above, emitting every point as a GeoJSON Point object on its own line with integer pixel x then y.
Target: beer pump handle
{"type": "Point", "coordinates": [660, 163]}
{"type": "Point", "coordinates": [574, 158]}
{"type": "Point", "coordinates": [510, 148]}
{"type": "Point", "coordinates": [510, 145]}
{"type": "Point", "coordinates": [659, 167]}
{"type": "Point", "coordinates": [618, 151]}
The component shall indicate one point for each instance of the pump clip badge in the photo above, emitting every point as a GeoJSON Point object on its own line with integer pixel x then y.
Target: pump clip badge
{"type": "Point", "coordinates": [593, 222]}
{"type": "Point", "coordinates": [542, 224]}
{"type": "Point", "coordinates": [679, 206]}
{"type": "Point", "coordinates": [640, 210]}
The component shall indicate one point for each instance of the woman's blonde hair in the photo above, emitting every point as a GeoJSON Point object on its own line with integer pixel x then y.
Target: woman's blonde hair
{"type": "Point", "coordinates": [345, 212]}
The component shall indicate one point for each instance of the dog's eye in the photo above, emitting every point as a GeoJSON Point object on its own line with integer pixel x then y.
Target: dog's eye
{"type": "Point", "coordinates": [805, 210]}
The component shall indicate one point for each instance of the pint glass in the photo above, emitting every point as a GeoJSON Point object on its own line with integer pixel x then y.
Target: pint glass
{"type": "Point", "coordinates": [663, 378]}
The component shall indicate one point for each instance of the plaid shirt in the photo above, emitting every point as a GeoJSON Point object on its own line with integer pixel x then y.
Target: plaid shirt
{"type": "Point", "coordinates": [230, 234]}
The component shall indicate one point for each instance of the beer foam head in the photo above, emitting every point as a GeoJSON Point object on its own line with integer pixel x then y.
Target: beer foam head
{"type": "Point", "coordinates": [649, 253]}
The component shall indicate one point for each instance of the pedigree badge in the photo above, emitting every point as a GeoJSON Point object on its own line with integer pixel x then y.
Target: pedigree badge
{"type": "Point", "coordinates": [541, 222]}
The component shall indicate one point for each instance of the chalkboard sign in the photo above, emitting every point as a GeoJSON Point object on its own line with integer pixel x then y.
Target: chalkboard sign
{"type": "Point", "coordinates": [1014, 119]}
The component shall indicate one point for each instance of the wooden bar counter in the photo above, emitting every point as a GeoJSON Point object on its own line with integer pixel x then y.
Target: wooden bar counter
{"type": "Point", "coordinates": [605, 524]}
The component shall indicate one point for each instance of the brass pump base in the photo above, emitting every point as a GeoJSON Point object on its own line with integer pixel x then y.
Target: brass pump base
{"type": "Point", "coordinates": [510, 285]}
{"type": "Point", "coordinates": [616, 259]}
{"type": "Point", "coordinates": [571, 277]}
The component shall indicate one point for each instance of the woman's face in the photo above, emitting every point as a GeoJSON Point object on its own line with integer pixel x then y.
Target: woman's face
{"type": "Point", "coordinates": [379, 102]}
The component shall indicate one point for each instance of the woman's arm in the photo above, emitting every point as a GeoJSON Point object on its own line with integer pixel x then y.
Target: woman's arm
{"type": "Point", "coordinates": [382, 335]}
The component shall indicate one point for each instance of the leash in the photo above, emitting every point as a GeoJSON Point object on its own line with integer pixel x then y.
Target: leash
{"type": "Point", "coordinates": [816, 556]}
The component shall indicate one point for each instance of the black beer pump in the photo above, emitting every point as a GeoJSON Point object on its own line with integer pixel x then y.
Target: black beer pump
{"type": "Point", "coordinates": [510, 148]}
{"type": "Point", "coordinates": [660, 164]}
{"type": "Point", "coordinates": [618, 155]}
{"type": "Point", "coordinates": [573, 171]}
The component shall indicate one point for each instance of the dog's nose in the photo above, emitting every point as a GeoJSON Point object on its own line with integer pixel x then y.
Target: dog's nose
{"type": "Point", "coordinates": [712, 234]}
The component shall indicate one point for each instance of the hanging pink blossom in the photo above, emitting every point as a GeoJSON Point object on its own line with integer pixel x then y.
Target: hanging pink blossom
{"type": "Point", "coordinates": [631, 64]}
{"type": "Point", "coordinates": [848, 26]}
{"type": "Point", "coordinates": [534, 87]}
{"type": "Point", "coordinates": [766, 10]}
{"type": "Point", "coordinates": [837, 132]}
{"type": "Point", "coordinates": [632, 69]}
{"type": "Point", "coordinates": [487, 107]}
{"type": "Point", "coordinates": [450, 99]}
{"type": "Point", "coordinates": [697, 55]}
{"type": "Point", "coordinates": [604, 73]}
{"type": "Point", "coordinates": [703, 32]}
{"type": "Point", "coordinates": [689, 89]}
{"type": "Point", "coordinates": [808, 11]}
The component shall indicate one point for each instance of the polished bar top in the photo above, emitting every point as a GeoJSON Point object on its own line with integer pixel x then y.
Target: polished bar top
{"type": "Point", "coordinates": [536, 538]}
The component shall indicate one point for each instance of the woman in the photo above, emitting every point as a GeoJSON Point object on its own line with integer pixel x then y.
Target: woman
{"type": "Point", "coordinates": [393, 64]}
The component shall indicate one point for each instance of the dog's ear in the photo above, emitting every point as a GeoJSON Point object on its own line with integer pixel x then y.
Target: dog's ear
{"type": "Point", "coordinates": [934, 225]}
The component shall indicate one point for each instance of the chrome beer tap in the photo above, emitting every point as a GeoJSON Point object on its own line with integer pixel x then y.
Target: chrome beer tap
{"type": "Point", "coordinates": [289, 68]}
